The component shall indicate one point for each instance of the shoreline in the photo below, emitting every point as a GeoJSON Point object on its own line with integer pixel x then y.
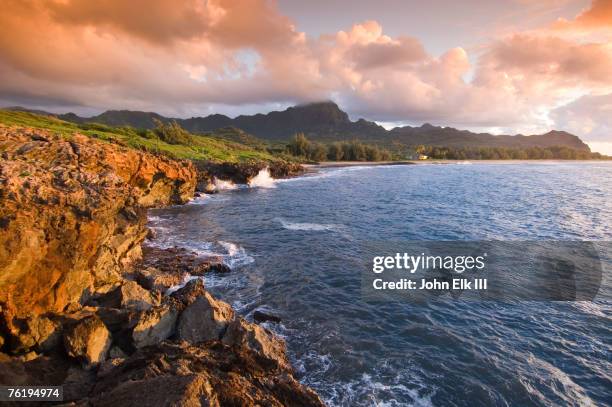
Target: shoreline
{"type": "Point", "coordinates": [340, 164]}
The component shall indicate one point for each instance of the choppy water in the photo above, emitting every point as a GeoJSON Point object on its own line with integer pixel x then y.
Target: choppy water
{"type": "Point", "coordinates": [293, 248]}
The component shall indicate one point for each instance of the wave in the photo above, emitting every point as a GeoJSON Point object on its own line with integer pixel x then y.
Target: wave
{"type": "Point", "coordinates": [313, 227]}
{"type": "Point", "coordinates": [263, 180]}
{"type": "Point", "coordinates": [223, 185]}
{"type": "Point", "coordinates": [235, 255]}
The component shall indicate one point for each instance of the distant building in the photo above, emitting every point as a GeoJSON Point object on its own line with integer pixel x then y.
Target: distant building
{"type": "Point", "coordinates": [423, 157]}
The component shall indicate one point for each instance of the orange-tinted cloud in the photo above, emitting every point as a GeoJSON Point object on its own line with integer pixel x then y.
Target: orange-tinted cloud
{"type": "Point", "coordinates": [599, 15]}
{"type": "Point", "coordinates": [183, 57]}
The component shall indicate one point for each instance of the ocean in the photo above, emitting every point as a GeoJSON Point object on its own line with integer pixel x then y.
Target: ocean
{"type": "Point", "coordinates": [294, 246]}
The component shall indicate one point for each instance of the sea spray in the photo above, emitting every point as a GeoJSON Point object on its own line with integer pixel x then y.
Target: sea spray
{"type": "Point", "coordinates": [223, 185]}
{"type": "Point", "coordinates": [262, 180]}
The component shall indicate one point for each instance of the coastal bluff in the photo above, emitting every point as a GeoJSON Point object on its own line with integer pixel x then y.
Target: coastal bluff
{"type": "Point", "coordinates": [84, 304]}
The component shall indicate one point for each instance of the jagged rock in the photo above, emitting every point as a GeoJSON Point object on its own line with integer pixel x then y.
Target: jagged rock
{"type": "Point", "coordinates": [130, 295]}
{"type": "Point", "coordinates": [71, 218]}
{"type": "Point", "coordinates": [260, 316]}
{"type": "Point", "coordinates": [208, 374]}
{"type": "Point", "coordinates": [155, 325]}
{"type": "Point", "coordinates": [88, 341]}
{"type": "Point", "coordinates": [152, 278]}
{"type": "Point", "coordinates": [241, 333]}
{"type": "Point", "coordinates": [204, 320]}
{"type": "Point", "coordinates": [186, 295]}
{"type": "Point", "coordinates": [178, 261]}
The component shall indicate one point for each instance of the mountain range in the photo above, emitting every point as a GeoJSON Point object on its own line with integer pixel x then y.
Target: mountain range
{"type": "Point", "coordinates": [326, 122]}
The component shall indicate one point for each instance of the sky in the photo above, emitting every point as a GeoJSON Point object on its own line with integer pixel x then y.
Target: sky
{"type": "Point", "coordinates": [504, 66]}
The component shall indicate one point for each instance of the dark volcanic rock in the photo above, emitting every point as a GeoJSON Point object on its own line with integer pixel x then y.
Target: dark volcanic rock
{"type": "Point", "coordinates": [241, 173]}
{"type": "Point", "coordinates": [260, 316]}
{"type": "Point", "coordinates": [178, 261]}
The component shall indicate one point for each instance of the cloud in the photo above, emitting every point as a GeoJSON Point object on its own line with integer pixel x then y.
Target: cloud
{"type": "Point", "coordinates": [590, 116]}
{"type": "Point", "coordinates": [599, 15]}
{"type": "Point", "coordinates": [185, 58]}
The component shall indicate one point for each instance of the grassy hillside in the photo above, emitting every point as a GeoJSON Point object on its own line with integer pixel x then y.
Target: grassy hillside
{"type": "Point", "coordinates": [215, 147]}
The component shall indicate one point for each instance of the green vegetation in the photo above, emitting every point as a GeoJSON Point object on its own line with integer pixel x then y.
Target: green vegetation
{"type": "Point", "coordinates": [234, 145]}
{"type": "Point", "coordinates": [167, 138]}
{"type": "Point", "coordinates": [354, 150]}
{"type": "Point", "coordinates": [502, 153]}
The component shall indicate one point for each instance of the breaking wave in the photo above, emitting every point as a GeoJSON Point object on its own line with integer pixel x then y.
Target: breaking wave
{"type": "Point", "coordinates": [223, 185]}
{"type": "Point", "coordinates": [262, 180]}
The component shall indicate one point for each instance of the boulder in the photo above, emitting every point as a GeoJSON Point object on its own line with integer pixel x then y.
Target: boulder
{"type": "Point", "coordinates": [155, 279]}
{"type": "Point", "coordinates": [243, 334]}
{"type": "Point", "coordinates": [204, 320]}
{"type": "Point", "coordinates": [186, 295]}
{"type": "Point", "coordinates": [88, 341]}
{"type": "Point", "coordinates": [155, 325]}
{"type": "Point", "coordinates": [131, 296]}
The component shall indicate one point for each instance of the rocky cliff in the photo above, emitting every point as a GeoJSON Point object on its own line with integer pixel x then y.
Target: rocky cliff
{"type": "Point", "coordinates": [72, 216]}
{"type": "Point", "coordinates": [81, 307]}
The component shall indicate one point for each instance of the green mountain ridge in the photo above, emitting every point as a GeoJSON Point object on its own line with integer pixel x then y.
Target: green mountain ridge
{"type": "Point", "coordinates": [326, 122]}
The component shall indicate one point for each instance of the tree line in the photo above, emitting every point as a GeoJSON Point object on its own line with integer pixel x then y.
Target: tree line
{"type": "Point", "coordinates": [354, 150]}
{"type": "Point", "coordinates": [506, 153]}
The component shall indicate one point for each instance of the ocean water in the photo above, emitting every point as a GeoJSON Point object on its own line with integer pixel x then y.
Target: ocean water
{"type": "Point", "coordinates": [294, 246]}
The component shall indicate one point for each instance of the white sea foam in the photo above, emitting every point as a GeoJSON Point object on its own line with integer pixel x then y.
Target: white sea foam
{"type": "Point", "coordinates": [315, 227]}
{"type": "Point", "coordinates": [463, 163]}
{"type": "Point", "coordinates": [263, 180]}
{"type": "Point", "coordinates": [223, 185]}
{"type": "Point", "coordinates": [235, 255]}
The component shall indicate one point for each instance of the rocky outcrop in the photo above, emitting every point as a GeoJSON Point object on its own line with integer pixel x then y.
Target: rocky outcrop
{"type": "Point", "coordinates": [192, 349]}
{"type": "Point", "coordinates": [71, 218]}
{"type": "Point", "coordinates": [80, 309]}
{"type": "Point", "coordinates": [241, 173]}
{"type": "Point", "coordinates": [208, 375]}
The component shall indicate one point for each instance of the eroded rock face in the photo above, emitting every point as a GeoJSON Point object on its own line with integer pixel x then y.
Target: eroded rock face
{"type": "Point", "coordinates": [71, 218]}
{"type": "Point", "coordinates": [88, 341]}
